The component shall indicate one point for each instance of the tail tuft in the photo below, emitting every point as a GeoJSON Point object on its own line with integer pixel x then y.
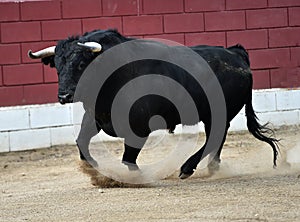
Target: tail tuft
{"type": "Point", "coordinates": [260, 131]}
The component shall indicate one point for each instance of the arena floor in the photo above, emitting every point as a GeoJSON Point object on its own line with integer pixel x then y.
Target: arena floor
{"type": "Point", "coordinates": [47, 185]}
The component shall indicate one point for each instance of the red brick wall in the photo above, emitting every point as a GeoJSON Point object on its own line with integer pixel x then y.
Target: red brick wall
{"type": "Point", "coordinates": [269, 29]}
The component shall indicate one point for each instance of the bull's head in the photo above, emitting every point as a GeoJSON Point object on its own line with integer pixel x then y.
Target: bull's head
{"type": "Point", "coordinates": [70, 57]}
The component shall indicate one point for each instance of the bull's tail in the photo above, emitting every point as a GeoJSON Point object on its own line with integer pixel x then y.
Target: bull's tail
{"type": "Point", "coordinates": [260, 131]}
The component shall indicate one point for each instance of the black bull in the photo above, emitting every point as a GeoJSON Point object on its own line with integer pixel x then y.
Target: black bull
{"type": "Point", "coordinates": [231, 66]}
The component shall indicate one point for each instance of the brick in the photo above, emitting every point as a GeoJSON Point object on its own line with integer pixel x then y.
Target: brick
{"type": "Point", "coordinates": [139, 25]}
{"type": "Point", "coordinates": [245, 4]}
{"type": "Point", "coordinates": [102, 23]}
{"type": "Point", "coordinates": [35, 10]}
{"type": "Point", "coordinates": [38, 94]}
{"type": "Point", "coordinates": [50, 74]}
{"type": "Point", "coordinates": [120, 7]}
{"type": "Point", "coordinates": [184, 23]}
{"type": "Point", "coordinates": [9, 11]}
{"type": "Point", "coordinates": [281, 118]}
{"type": "Point", "coordinates": [14, 119]}
{"type": "Point", "coordinates": [177, 39]}
{"type": "Point", "coordinates": [204, 5]}
{"type": "Point", "coordinates": [4, 138]}
{"type": "Point", "coordinates": [158, 6]}
{"type": "Point", "coordinates": [49, 115]}
{"type": "Point", "coordinates": [81, 9]}
{"type": "Point", "coordinates": [238, 123]}
{"type": "Point", "coordinates": [261, 79]}
{"type": "Point", "coordinates": [269, 58]}
{"type": "Point", "coordinates": [227, 20]}
{"type": "Point", "coordinates": [206, 38]}
{"type": "Point", "coordinates": [294, 16]}
{"type": "Point", "coordinates": [22, 140]}
{"type": "Point", "coordinates": [1, 79]}
{"type": "Point", "coordinates": [34, 46]}
{"type": "Point", "coordinates": [55, 30]}
{"type": "Point", "coordinates": [264, 101]}
{"type": "Point", "coordinates": [288, 100]}
{"type": "Point", "coordinates": [11, 96]}
{"type": "Point", "coordinates": [283, 3]}
{"type": "Point", "coordinates": [20, 32]}
{"type": "Point", "coordinates": [22, 74]}
{"type": "Point", "coordinates": [267, 18]}
{"type": "Point", "coordinates": [62, 135]}
{"type": "Point", "coordinates": [284, 37]}
{"type": "Point", "coordinates": [77, 113]}
{"type": "Point", "coordinates": [10, 54]}
{"type": "Point", "coordinates": [285, 77]}
{"type": "Point", "coordinates": [250, 39]}
{"type": "Point", "coordinates": [295, 56]}
{"type": "Point", "coordinates": [136, 36]}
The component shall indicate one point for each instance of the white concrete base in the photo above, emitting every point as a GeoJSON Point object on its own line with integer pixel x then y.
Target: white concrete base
{"type": "Point", "coordinates": [38, 126]}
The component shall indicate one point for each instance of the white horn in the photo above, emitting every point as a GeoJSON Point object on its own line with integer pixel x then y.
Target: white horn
{"type": "Point", "coordinates": [42, 53]}
{"type": "Point", "coordinates": [92, 46]}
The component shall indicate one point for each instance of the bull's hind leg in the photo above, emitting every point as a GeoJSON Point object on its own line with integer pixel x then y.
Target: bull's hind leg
{"type": "Point", "coordinates": [190, 165]}
{"type": "Point", "coordinates": [89, 128]}
{"type": "Point", "coordinates": [214, 163]}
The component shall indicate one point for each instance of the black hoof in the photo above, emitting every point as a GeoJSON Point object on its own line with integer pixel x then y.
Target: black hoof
{"type": "Point", "coordinates": [184, 175]}
{"type": "Point", "coordinates": [131, 166]}
{"type": "Point", "coordinates": [186, 170]}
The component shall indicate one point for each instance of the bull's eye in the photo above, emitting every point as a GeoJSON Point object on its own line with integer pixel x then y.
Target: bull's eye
{"type": "Point", "coordinates": [81, 65]}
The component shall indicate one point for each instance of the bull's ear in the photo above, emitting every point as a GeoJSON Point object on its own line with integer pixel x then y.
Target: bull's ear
{"type": "Point", "coordinates": [49, 60]}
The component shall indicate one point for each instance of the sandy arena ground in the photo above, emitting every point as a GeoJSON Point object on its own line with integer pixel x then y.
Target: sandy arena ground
{"type": "Point", "coordinates": [47, 185]}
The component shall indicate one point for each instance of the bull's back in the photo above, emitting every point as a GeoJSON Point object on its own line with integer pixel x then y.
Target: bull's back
{"type": "Point", "coordinates": [232, 68]}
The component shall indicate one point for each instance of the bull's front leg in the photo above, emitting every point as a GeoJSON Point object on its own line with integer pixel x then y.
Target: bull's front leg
{"type": "Point", "coordinates": [89, 129]}
{"type": "Point", "coordinates": [131, 153]}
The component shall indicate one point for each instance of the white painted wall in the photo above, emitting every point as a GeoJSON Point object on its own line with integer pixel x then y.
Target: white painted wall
{"type": "Point", "coordinates": [38, 126]}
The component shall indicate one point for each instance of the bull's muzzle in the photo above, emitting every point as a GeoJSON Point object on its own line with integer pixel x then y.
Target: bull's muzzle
{"type": "Point", "coordinates": [65, 98]}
